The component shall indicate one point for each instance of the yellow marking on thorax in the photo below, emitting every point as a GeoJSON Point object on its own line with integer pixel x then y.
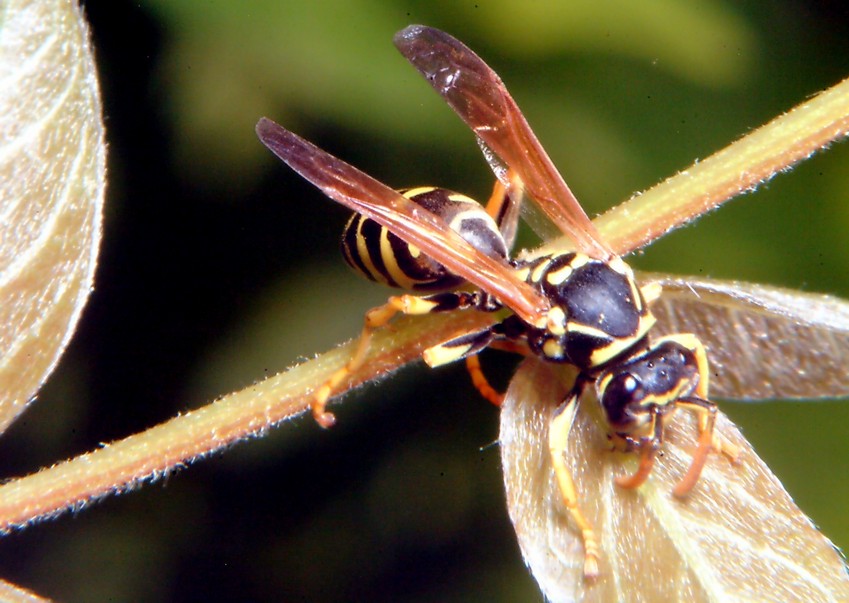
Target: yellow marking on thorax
{"type": "Point", "coordinates": [618, 345]}
{"type": "Point", "coordinates": [619, 265]}
{"type": "Point", "coordinates": [556, 321]}
{"type": "Point", "coordinates": [636, 296]}
{"type": "Point", "coordinates": [536, 275]}
{"type": "Point", "coordinates": [611, 350]}
{"type": "Point", "coordinates": [522, 273]}
{"type": "Point", "coordinates": [552, 349]}
{"type": "Point", "coordinates": [577, 327]}
{"type": "Point", "coordinates": [579, 260]}
{"type": "Point", "coordinates": [559, 276]}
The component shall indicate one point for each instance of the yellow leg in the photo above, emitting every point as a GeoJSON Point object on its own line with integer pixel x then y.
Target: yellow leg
{"type": "Point", "coordinates": [726, 448]}
{"type": "Point", "coordinates": [707, 420]}
{"type": "Point", "coordinates": [504, 204]}
{"type": "Point", "coordinates": [709, 440]}
{"type": "Point", "coordinates": [479, 380]}
{"type": "Point", "coordinates": [374, 319]}
{"type": "Point", "coordinates": [558, 436]}
{"type": "Point", "coordinates": [497, 201]}
{"type": "Point", "coordinates": [699, 403]}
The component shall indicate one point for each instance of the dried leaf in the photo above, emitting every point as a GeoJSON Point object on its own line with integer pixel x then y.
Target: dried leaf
{"type": "Point", "coordinates": [763, 342]}
{"type": "Point", "coordinates": [737, 537]}
{"type": "Point", "coordinates": [52, 175]}
{"type": "Point", "coordinates": [11, 593]}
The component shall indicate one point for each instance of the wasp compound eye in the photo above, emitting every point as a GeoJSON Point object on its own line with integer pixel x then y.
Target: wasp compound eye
{"type": "Point", "coordinates": [620, 393]}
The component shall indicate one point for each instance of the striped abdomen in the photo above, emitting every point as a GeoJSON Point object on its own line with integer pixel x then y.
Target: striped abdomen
{"type": "Point", "coordinates": [380, 256]}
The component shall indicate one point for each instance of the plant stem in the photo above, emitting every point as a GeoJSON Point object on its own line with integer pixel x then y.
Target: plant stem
{"type": "Point", "coordinates": [162, 449]}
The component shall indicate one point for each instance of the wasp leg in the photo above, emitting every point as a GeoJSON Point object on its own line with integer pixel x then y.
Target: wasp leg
{"type": "Point", "coordinates": [706, 410]}
{"type": "Point", "coordinates": [379, 317]}
{"type": "Point", "coordinates": [479, 380]}
{"type": "Point", "coordinates": [504, 204]}
{"type": "Point", "coordinates": [648, 447]}
{"type": "Point", "coordinates": [481, 383]}
{"type": "Point", "coordinates": [558, 436]}
{"type": "Point", "coordinates": [468, 345]}
{"type": "Point", "coordinates": [707, 420]}
{"type": "Point", "coordinates": [724, 447]}
{"type": "Point", "coordinates": [706, 414]}
{"type": "Point", "coordinates": [458, 348]}
{"type": "Point", "coordinates": [374, 319]}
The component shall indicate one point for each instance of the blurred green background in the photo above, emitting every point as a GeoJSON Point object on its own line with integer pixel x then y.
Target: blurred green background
{"type": "Point", "coordinates": [220, 266]}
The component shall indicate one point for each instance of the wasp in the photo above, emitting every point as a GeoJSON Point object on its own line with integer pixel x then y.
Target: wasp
{"type": "Point", "coordinates": [583, 307]}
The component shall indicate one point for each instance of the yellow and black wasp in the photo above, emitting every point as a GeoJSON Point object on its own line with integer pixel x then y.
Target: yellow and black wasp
{"type": "Point", "coordinates": [582, 308]}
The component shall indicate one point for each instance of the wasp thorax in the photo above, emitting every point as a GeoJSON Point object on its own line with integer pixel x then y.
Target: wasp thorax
{"type": "Point", "coordinates": [597, 310]}
{"type": "Point", "coordinates": [379, 255]}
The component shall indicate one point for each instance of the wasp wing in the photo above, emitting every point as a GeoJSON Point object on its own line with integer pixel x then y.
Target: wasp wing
{"type": "Point", "coordinates": [531, 212]}
{"type": "Point", "coordinates": [505, 205]}
{"type": "Point", "coordinates": [479, 97]}
{"type": "Point", "coordinates": [763, 342]}
{"type": "Point", "coordinates": [737, 536]}
{"type": "Point", "coordinates": [412, 223]}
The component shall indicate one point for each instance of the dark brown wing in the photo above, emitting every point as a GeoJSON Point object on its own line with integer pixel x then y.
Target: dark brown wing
{"type": "Point", "coordinates": [479, 97]}
{"type": "Point", "coordinates": [412, 223]}
{"type": "Point", "coordinates": [763, 342]}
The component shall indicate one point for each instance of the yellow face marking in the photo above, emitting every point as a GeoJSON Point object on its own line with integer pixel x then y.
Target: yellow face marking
{"type": "Point", "coordinates": [682, 387]}
{"type": "Point", "coordinates": [552, 349]}
{"type": "Point", "coordinates": [664, 398]}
